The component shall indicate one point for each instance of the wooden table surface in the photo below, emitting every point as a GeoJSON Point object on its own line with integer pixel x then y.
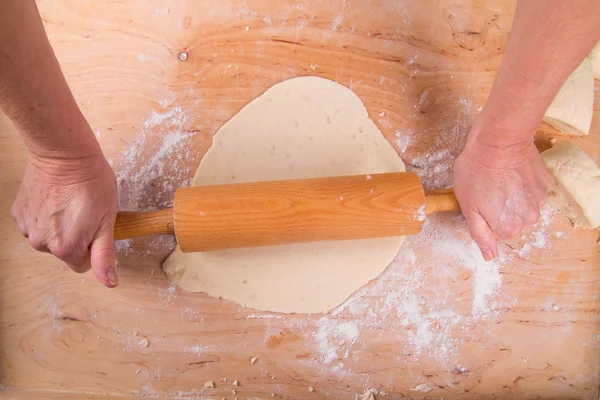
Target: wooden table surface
{"type": "Point", "coordinates": [527, 326]}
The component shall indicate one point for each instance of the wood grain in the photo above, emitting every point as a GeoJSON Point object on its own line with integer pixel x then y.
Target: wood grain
{"type": "Point", "coordinates": [423, 69]}
{"type": "Point", "coordinates": [274, 213]}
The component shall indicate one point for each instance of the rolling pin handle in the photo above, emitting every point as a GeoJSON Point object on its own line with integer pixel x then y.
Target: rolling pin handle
{"type": "Point", "coordinates": [133, 224]}
{"type": "Point", "coordinates": [440, 200]}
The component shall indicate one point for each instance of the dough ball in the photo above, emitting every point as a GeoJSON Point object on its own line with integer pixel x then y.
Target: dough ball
{"type": "Point", "coordinates": [576, 192]}
{"type": "Point", "coordinates": [572, 109]}
{"type": "Point", "coordinates": [594, 57]}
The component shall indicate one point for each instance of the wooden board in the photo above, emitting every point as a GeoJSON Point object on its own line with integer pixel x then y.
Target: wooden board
{"type": "Point", "coordinates": [526, 327]}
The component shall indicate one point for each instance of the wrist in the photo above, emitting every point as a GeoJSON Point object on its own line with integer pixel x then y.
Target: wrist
{"type": "Point", "coordinates": [63, 136]}
{"type": "Point", "coordinates": [72, 169]}
{"type": "Point", "coordinates": [490, 146]}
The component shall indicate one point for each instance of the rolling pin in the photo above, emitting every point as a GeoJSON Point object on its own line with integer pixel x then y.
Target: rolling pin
{"type": "Point", "coordinates": [206, 218]}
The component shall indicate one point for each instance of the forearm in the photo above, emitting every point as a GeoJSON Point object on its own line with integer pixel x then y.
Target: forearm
{"type": "Point", "coordinates": [549, 39]}
{"type": "Point", "coordinates": [33, 91]}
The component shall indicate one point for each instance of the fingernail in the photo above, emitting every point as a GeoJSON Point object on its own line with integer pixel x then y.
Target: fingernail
{"type": "Point", "coordinates": [487, 255]}
{"type": "Point", "coordinates": [111, 275]}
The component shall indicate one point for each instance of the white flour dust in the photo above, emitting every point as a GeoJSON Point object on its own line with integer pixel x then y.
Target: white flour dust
{"type": "Point", "coordinates": [539, 235]}
{"type": "Point", "coordinates": [332, 336]}
{"type": "Point", "coordinates": [419, 310]}
{"type": "Point", "coordinates": [440, 143]}
{"type": "Point", "coordinates": [150, 172]}
{"type": "Point", "coordinates": [403, 140]}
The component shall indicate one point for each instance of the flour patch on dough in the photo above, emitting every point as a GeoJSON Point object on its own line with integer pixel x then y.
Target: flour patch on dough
{"type": "Point", "coordinates": [572, 109]}
{"type": "Point", "coordinates": [305, 127]}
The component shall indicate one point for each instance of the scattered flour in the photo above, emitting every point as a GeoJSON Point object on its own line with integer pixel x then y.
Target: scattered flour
{"type": "Point", "coordinates": [332, 335]}
{"type": "Point", "coordinates": [150, 173]}
{"type": "Point", "coordinates": [195, 350]}
{"type": "Point", "coordinates": [403, 140]}
{"type": "Point", "coordinates": [539, 234]}
{"type": "Point", "coordinates": [167, 296]}
{"type": "Point", "coordinates": [434, 168]}
{"type": "Point", "coordinates": [423, 318]}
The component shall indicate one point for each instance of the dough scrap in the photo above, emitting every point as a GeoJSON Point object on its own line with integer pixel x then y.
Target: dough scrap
{"type": "Point", "coordinates": [594, 57]}
{"type": "Point", "coordinates": [572, 109]}
{"type": "Point", "coordinates": [576, 192]}
{"type": "Point", "coordinates": [301, 128]}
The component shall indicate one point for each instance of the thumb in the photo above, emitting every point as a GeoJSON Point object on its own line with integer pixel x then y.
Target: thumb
{"type": "Point", "coordinates": [482, 235]}
{"type": "Point", "coordinates": [104, 257]}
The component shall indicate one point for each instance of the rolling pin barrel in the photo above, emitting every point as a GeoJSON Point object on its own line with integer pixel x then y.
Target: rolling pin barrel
{"type": "Point", "coordinates": [206, 218]}
{"type": "Point", "coordinates": [295, 211]}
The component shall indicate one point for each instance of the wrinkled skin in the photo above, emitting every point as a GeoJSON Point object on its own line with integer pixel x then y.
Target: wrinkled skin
{"type": "Point", "coordinates": [68, 207]}
{"type": "Point", "coordinates": [500, 189]}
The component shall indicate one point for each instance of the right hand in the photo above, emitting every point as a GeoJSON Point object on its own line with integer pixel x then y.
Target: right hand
{"type": "Point", "coordinates": [67, 207]}
{"type": "Point", "coordinates": [500, 188]}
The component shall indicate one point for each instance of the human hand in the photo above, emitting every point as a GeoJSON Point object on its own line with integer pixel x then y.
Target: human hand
{"type": "Point", "coordinates": [67, 207]}
{"type": "Point", "coordinates": [500, 189]}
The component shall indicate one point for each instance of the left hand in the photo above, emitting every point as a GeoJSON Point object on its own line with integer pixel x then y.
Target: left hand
{"type": "Point", "coordinates": [68, 207]}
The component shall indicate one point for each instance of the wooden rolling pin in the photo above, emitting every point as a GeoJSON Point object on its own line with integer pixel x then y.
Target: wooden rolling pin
{"type": "Point", "coordinates": [205, 218]}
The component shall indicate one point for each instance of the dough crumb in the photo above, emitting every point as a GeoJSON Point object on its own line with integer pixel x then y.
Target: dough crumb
{"type": "Point", "coordinates": [553, 140]}
{"type": "Point", "coordinates": [421, 387]}
{"type": "Point", "coordinates": [233, 391]}
{"type": "Point", "coordinates": [369, 177]}
{"type": "Point", "coordinates": [382, 393]}
{"type": "Point", "coordinates": [136, 333]}
{"type": "Point", "coordinates": [225, 379]}
{"type": "Point", "coordinates": [144, 343]}
{"type": "Point", "coordinates": [209, 384]}
{"type": "Point", "coordinates": [311, 389]}
{"type": "Point", "coordinates": [272, 394]}
{"type": "Point", "coordinates": [236, 383]}
{"type": "Point", "coordinates": [555, 307]}
{"type": "Point", "coordinates": [138, 371]}
{"type": "Point", "coordinates": [273, 377]}
{"type": "Point", "coordinates": [253, 360]}
{"type": "Point", "coordinates": [369, 394]}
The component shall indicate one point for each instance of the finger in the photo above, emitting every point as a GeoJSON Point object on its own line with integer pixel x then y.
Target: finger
{"type": "Point", "coordinates": [82, 265]}
{"type": "Point", "coordinates": [532, 215]}
{"type": "Point", "coordinates": [72, 250]}
{"type": "Point", "coordinates": [509, 228]}
{"type": "Point", "coordinates": [38, 242]}
{"type": "Point", "coordinates": [22, 227]}
{"type": "Point", "coordinates": [104, 257]}
{"type": "Point", "coordinates": [482, 235]}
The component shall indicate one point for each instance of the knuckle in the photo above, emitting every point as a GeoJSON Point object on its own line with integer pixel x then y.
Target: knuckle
{"type": "Point", "coordinates": [80, 267]}
{"type": "Point", "coordinates": [37, 243]}
{"type": "Point", "coordinates": [65, 250]}
{"type": "Point", "coordinates": [512, 230]}
{"type": "Point", "coordinates": [531, 216]}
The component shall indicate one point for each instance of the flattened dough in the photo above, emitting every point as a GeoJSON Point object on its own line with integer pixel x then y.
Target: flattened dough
{"type": "Point", "coordinates": [576, 192]}
{"type": "Point", "coordinates": [572, 109]}
{"type": "Point", "coordinates": [301, 128]}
